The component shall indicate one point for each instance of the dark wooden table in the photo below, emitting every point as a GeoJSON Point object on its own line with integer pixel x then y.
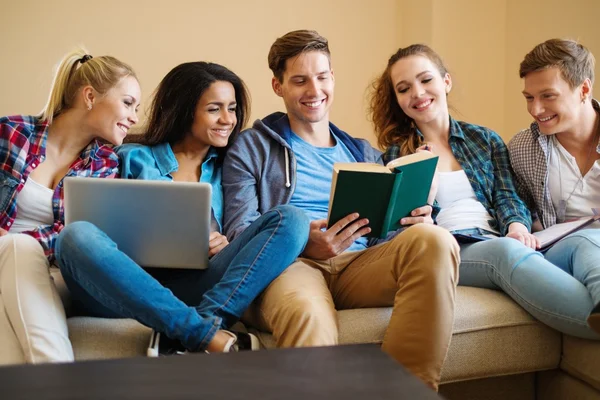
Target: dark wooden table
{"type": "Point", "coordinates": [341, 372]}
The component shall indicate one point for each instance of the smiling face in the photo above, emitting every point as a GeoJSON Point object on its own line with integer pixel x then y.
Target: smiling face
{"type": "Point", "coordinates": [215, 118]}
{"type": "Point", "coordinates": [115, 112]}
{"type": "Point", "coordinates": [307, 87]}
{"type": "Point", "coordinates": [555, 106]}
{"type": "Point", "coordinates": [420, 89]}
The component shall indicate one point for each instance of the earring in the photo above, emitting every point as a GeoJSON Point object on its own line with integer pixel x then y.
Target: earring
{"type": "Point", "coordinates": [89, 107]}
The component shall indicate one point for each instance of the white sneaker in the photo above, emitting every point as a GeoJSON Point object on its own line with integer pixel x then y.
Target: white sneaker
{"type": "Point", "coordinates": [161, 345]}
{"type": "Point", "coordinates": [241, 341]}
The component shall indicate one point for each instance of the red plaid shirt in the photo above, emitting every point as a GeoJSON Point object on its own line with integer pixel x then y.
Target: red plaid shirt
{"type": "Point", "coordinates": [22, 149]}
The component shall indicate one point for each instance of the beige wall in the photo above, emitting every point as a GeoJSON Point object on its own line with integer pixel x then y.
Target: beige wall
{"type": "Point", "coordinates": [576, 19]}
{"type": "Point", "coordinates": [482, 41]}
{"type": "Point", "coordinates": [157, 36]}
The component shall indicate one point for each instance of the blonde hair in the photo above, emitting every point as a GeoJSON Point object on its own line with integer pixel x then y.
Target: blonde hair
{"type": "Point", "coordinates": [392, 126]}
{"type": "Point", "coordinates": [76, 70]}
{"type": "Point", "coordinates": [575, 62]}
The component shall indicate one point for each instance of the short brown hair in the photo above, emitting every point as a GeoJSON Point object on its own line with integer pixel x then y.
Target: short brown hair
{"type": "Point", "coordinates": [290, 45]}
{"type": "Point", "coordinates": [575, 62]}
{"type": "Point", "coordinates": [392, 125]}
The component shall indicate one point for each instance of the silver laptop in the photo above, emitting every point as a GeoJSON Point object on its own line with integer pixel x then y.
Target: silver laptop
{"type": "Point", "coordinates": [156, 223]}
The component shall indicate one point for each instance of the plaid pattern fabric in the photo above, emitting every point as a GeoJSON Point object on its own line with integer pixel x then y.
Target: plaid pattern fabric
{"type": "Point", "coordinates": [529, 153]}
{"type": "Point", "coordinates": [483, 156]}
{"type": "Point", "coordinates": [22, 149]}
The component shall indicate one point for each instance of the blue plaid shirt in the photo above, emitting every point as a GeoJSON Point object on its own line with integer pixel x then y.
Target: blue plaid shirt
{"type": "Point", "coordinates": [483, 156]}
{"type": "Point", "coordinates": [22, 149]}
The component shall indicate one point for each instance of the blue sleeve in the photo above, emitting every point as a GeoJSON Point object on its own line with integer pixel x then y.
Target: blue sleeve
{"type": "Point", "coordinates": [134, 158]}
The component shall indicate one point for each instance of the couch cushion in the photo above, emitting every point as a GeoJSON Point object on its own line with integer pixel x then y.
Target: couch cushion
{"type": "Point", "coordinates": [556, 385]}
{"type": "Point", "coordinates": [581, 358]}
{"type": "Point", "coordinates": [493, 336]}
{"type": "Point", "coordinates": [97, 338]}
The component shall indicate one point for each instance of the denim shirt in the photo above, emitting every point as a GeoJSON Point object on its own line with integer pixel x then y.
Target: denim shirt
{"type": "Point", "coordinates": [158, 162]}
{"type": "Point", "coordinates": [483, 156]}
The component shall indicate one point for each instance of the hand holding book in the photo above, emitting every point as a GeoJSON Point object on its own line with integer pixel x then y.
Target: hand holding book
{"type": "Point", "coordinates": [384, 195]}
{"type": "Point", "coordinates": [322, 245]}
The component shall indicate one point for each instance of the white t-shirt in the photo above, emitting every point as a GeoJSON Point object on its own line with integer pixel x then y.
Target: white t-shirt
{"type": "Point", "coordinates": [460, 208]}
{"type": "Point", "coordinates": [34, 207]}
{"type": "Point", "coordinates": [565, 178]}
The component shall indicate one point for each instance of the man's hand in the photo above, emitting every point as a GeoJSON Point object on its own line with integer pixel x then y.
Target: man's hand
{"type": "Point", "coordinates": [519, 232]}
{"type": "Point", "coordinates": [216, 243]}
{"type": "Point", "coordinates": [3, 232]}
{"type": "Point", "coordinates": [323, 245]}
{"type": "Point", "coordinates": [421, 215]}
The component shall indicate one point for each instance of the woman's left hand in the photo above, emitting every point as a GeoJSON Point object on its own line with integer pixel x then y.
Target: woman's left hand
{"type": "Point", "coordinates": [519, 232]}
{"type": "Point", "coordinates": [216, 243]}
{"type": "Point", "coordinates": [421, 215]}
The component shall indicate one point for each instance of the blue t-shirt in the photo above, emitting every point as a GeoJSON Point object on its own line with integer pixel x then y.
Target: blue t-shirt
{"type": "Point", "coordinates": [314, 168]}
{"type": "Point", "coordinates": [158, 162]}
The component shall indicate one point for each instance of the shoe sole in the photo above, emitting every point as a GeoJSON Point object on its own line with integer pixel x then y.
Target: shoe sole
{"type": "Point", "coordinates": [254, 342]}
{"type": "Point", "coordinates": [152, 350]}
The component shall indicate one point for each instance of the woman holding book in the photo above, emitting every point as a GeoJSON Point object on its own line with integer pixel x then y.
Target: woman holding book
{"type": "Point", "coordinates": [92, 99]}
{"type": "Point", "coordinates": [197, 110]}
{"type": "Point", "coordinates": [475, 193]}
{"type": "Point", "coordinates": [556, 160]}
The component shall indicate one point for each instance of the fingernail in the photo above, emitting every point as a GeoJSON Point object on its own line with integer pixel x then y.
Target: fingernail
{"type": "Point", "coordinates": [402, 221]}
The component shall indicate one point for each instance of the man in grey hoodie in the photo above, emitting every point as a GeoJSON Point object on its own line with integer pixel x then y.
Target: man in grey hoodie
{"type": "Point", "coordinates": [288, 159]}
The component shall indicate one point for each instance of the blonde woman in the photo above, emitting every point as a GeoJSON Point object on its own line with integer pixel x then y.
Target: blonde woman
{"type": "Point", "coordinates": [91, 98]}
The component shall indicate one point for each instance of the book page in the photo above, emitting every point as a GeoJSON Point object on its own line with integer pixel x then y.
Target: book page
{"type": "Point", "coordinates": [409, 159]}
{"type": "Point", "coordinates": [360, 166]}
{"type": "Point", "coordinates": [558, 231]}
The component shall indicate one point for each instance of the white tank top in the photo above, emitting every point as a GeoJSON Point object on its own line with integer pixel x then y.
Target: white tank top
{"type": "Point", "coordinates": [34, 207]}
{"type": "Point", "coordinates": [460, 208]}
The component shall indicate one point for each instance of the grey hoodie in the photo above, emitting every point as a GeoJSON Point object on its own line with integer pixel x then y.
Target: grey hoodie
{"type": "Point", "coordinates": [259, 171]}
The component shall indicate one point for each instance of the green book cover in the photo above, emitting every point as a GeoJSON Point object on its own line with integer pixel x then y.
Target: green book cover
{"type": "Point", "coordinates": [413, 189]}
{"type": "Point", "coordinates": [381, 195]}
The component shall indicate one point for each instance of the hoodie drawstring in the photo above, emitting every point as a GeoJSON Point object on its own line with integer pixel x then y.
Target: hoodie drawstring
{"type": "Point", "coordinates": [287, 169]}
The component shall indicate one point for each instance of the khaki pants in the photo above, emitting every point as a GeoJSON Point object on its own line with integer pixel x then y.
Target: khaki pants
{"type": "Point", "coordinates": [416, 272]}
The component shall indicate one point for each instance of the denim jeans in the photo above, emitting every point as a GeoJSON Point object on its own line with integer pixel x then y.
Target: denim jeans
{"type": "Point", "coordinates": [559, 288]}
{"type": "Point", "coordinates": [188, 305]}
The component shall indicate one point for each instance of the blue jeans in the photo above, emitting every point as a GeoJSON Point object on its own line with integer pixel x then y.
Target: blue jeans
{"type": "Point", "coordinates": [559, 288]}
{"type": "Point", "coordinates": [188, 305]}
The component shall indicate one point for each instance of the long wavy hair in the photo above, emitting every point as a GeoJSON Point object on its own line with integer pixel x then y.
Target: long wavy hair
{"type": "Point", "coordinates": [392, 126]}
{"type": "Point", "coordinates": [175, 100]}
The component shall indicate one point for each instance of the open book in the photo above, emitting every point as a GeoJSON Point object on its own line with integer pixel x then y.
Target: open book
{"type": "Point", "coordinates": [383, 194]}
{"type": "Point", "coordinates": [549, 236]}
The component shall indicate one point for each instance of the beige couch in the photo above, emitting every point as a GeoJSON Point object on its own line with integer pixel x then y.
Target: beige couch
{"type": "Point", "coordinates": [498, 351]}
